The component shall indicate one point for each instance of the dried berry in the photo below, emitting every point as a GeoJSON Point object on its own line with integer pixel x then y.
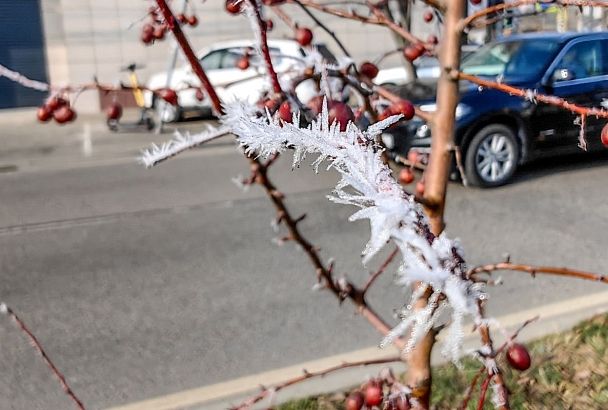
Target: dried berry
{"type": "Point", "coordinates": [354, 401]}
{"type": "Point", "coordinates": [64, 114]}
{"type": "Point", "coordinates": [370, 70]}
{"type": "Point", "coordinates": [518, 357]}
{"type": "Point", "coordinates": [406, 176]}
{"type": "Point", "coordinates": [114, 111]}
{"type": "Point", "coordinates": [373, 394]}
{"type": "Point", "coordinates": [168, 95]}
{"type": "Point", "coordinates": [304, 36]}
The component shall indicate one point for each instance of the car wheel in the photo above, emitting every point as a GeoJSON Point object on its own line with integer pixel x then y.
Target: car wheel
{"type": "Point", "coordinates": [492, 156]}
{"type": "Point", "coordinates": [166, 112]}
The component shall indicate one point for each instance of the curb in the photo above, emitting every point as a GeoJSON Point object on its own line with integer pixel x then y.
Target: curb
{"type": "Point", "coordinates": [554, 317]}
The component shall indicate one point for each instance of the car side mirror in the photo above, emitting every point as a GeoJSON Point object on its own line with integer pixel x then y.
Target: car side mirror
{"type": "Point", "coordinates": [563, 74]}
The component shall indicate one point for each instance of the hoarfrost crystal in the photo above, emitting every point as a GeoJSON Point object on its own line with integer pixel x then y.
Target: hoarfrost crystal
{"type": "Point", "coordinates": [366, 183]}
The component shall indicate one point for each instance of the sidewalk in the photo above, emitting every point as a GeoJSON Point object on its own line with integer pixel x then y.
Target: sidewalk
{"type": "Point", "coordinates": [26, 144]}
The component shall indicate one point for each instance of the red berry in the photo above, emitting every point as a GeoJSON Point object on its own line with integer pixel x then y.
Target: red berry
{"type": "Point", "coordinates": [316, 104]}
{"type": "Point", "coordinates": [428, 16]}
{"type": "Point", "coordinates": [304, 36]}
{"type": "Point", "coordinates": [403, 107]}
{"type": "Point", "coordinates": [159, 32]}
{"type": "Point", "coordinates": [181, 18]}
{"type": "Point", "coordinates": [269, 25]}
{"type": "Point", "coordinates": [373, 394]}
{"type": "Point", "coordinates": [341, 113]}
{"type": "Point", "coordinates": [406, 176]}
{"type": "Point", "coordinates": [233, 6]}
{"type": "Point", "coordinates": [147, 28]}
{"type": "Point", "coordinates": [369, 70]}
{"type": "Point", "coordinates": [420, 188]}
{"type": "Point", "coordinates": [243, 63]}
{"type": "Point", "coordinates": [199, 94]}
{"type": "Point", "coordinates": [146, 37]}
{"type": "Point", "coordinates": [44, 113]}
{"type": "Point", "coordinates": [270, 104]}
{"type": "Point", "coordinates": [285, 112]}
{"type": "Point", "coordinates": [412, 156]}
{"type": "Point", "coordinates": [55, 103]}
{"type": "Point", "coordinates": [64, 114]}
{"type": "Point", "coordinates": [432, 39]}
{"type": "Point", "coordinates": [193, 20]}
{"type": "Point", "coordinates": [399, 403]}
{"type": "Point", "coordinates": [337, 110]}
{"type": "Point", "coordinates": [604, 136]}
{"type": "Point", "coordinates": [114, 111]}
{"type": "Point", "coordinates": [354, 401]}
{"type": "Point", "coordinates": [413, 51]}
{"type": "Point", "coordinates": [168, 95]}
{"type": "Point", "coordinates": [518, 357]}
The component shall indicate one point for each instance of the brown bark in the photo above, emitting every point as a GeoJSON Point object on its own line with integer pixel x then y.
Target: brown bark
{"type": "Point", "coordinates": [436, 178]}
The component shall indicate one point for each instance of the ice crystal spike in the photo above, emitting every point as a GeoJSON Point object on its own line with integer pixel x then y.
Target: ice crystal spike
{"type": "Point", "coordinates": [178, 144]}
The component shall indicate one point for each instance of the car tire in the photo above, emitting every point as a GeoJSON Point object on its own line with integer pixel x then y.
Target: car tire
{"type": "Point", "coordinates": [492, 156]}
{"type": "Point", "coordinates": [166, 112]}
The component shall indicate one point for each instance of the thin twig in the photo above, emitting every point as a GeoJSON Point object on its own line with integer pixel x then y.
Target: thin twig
{"type": "Point", "coordinates": [324, 27]}
{"type": "Point", "coordinates": [47, 360]}
{"type": "Point", "coordinates": [340, 289]}
{"type": "Point", "coordinates": [274, 78]}
{"type": "Point", "coordinates": [308, 375]}
{"type": "Point", "coordinates": [533, 270]}
{"type": "Point", "coordinates": [484, 390]}
{"type": "Point", "coordinates": [458, 156]}
{"type": "Point", "coordinates": [380, 270]}
{"type": "Point", "coordinates": [532, 96]}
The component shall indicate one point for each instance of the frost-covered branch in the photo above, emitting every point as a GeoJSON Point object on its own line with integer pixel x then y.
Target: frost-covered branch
{"type": "Point", "coordinates": [156, 154]}
{"type": "Point", "coordinates": [22, 80]}
{"type": "Point", "coordinates": [366, 183]}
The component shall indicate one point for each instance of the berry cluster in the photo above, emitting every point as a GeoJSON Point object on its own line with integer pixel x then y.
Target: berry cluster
{"type": "Point", "coordinates": [57, 108]}
{"type": "Point", "coordinates": [156, 27]}
{"type": "Point", "coordinates": [378, 393]}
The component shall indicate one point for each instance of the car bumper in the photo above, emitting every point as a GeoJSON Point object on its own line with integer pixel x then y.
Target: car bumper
{"type": "Point", "coordinates": [399, 140]}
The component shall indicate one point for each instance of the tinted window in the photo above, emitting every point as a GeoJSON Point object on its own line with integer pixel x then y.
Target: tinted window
{"type": "Point", "coordinates": [212, 60]}
{"type": "Point", "coordinates": [231, 57]}
{"type": "Point", "coordinates": [521, 59]}
{"type": "Point", "coordinates": [583, 60]}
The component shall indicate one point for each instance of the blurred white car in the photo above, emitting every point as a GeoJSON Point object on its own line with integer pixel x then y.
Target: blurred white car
{"type": "Point", "coordinates": [231, 82]}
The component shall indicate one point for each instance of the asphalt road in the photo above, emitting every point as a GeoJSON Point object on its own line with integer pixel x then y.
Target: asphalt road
{"type": "Point", "coordinates": [141, 282]}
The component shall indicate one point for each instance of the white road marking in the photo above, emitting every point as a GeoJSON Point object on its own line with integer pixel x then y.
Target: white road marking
{"type": "Point", "coordinates": [552, 319]}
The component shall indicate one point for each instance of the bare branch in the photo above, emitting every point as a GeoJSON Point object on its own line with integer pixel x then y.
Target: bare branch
{"type": "Point", "coordinates": [45, 357]}
{"type": "Point", "coordinates": [533, 270]}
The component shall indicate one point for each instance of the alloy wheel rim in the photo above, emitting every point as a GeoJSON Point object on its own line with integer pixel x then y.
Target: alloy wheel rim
{"type": "Point", "coordinates": [495, 157]}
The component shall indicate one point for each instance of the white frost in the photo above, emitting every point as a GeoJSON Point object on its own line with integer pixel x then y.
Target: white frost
{"type": "Point", "coordinates": [367, 183]}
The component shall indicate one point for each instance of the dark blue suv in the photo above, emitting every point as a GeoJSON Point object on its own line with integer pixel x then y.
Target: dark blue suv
{"type": "Point", "coordinates": [496, 131]}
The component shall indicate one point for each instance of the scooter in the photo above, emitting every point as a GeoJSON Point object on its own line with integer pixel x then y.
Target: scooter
{"type": "Point", "coordinates": [146, 118]}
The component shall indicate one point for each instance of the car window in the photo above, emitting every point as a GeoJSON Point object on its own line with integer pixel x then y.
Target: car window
{"type": "Point", "coordinates": [521, 58]}
{"type": "Point", "coordinates": [231, 57]}
{"type": "Point", "coordinates": [212, 60]}
{"type": "Point", "coordinates": [583, 60]}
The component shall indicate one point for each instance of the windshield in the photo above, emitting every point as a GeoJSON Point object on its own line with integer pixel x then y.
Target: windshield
{"type": "Point", "coordinates": [520, 59]}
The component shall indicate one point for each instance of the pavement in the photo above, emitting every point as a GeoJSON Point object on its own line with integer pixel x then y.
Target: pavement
{"type": "Point", "coordinates": [164, 284]}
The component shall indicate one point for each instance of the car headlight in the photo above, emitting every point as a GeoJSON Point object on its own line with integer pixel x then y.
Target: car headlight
{"type": "Point", "coordinates": [461, 109]}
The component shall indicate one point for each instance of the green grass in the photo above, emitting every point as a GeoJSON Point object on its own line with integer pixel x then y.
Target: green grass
{"type": "Point", "coordinates": [569, 371]}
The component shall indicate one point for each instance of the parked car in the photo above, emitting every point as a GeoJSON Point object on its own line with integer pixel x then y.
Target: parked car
{"type": "Point", "coordinates": [496, 131]}
{"type": "Point", "coordinates": [231, 82]}
{"type": "Point", "coordinates": [425, 66]}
